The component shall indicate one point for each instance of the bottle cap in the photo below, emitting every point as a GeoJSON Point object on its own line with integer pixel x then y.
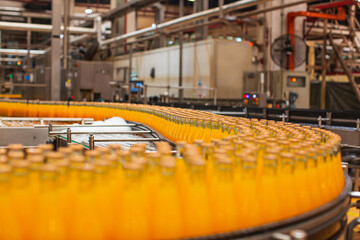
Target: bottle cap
{"type": "Point", "coordinates": [3, 151]}
{"type": "Point", "coordinates": [16, 154]}
{"type": "Point", "coordinates": [55, 155]}
{"type": "Point", "coordinates": [76, 147]}
{"type": "Point", "coordinates": [34, 151]}
{"type": "Point", "coordinates": [3, 159]}
{"type": "Point", "coordinates": [15, 146]}
{"type": "Point", "coordinates": [92, 153]}
{"type": "Point", "coordinates": [46, 147]}
{"type": "Point", "coordinates": [115, 146]}
{"type": "Point", "coordinates": [78, 158]}
{"type": "Point", "coordinates": [20, 164]}
{"type": "Point", "coordinates": [35, 158]}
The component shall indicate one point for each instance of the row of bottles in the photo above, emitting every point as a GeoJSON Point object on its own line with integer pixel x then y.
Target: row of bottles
{"type": "Point", "coordinates": [109, 193]}
{"type": "Point", "coordinates": [229, 173]}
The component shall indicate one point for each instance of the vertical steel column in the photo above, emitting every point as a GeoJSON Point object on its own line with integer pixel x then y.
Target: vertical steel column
{"type": "Point", "coordinates": [130, 71]}
{"type": "Point", "coordinates": [66, 46]}
{"type": "Point", "coordinates": [65, 41]}
{"type": "Point", "coordinates": [202, 32]}
{"type": "Point", "coordinates": [28, 45]}
{"type": "Point", "coordinates": [181, 91]}
{"type": "Point", "coordinates": [221, 4]}
{"type": "Point", "coordinates": [323, 72]}
{"type": "Point", "coordinates": [55, 49]}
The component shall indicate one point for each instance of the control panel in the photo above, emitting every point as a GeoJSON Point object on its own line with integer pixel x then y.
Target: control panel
{"type": "Point", "coordinates": [255, 99]}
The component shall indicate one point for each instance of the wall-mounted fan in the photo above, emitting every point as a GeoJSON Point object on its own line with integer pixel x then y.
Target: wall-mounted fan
{"type": "Point", "coordinates": [288, 51]}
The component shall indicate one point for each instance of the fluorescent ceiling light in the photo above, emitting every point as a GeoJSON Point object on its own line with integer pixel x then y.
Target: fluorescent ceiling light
{"type": "Point", "coordinates": [88, 11]}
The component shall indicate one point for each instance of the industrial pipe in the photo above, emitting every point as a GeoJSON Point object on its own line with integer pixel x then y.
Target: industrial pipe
{"type": "Point", "coordinates": [195, 16]}
{"type": "Point", "coordinates": [21, 51]}
{"type": "Point", "coordinates": [43, 28]}
{"type": "Point", "coordinates": [291, 16]}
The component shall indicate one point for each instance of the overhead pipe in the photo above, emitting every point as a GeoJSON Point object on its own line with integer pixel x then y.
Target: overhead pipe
{"type": "Point", "coordinates": [192, 17]}
{"type": "Point", "coordinates": [43, 28]}
{"type": "Point", "coordinates": [291, 16]}
{"type": "Point", "coordinates": [335, 4]}
{"type": "Point", "coordinates": [21, 51]}
{"type": "Point", "coordinates": [10, 59]}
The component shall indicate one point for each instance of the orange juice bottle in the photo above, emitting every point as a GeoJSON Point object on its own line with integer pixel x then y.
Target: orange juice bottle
{"type": "Point", "coordinates": [9, 227]}
{"type": "Point", "coordinates": [92, 156]}
{"type": "Point", "coordinates": [20, 190]}
{"type": "Point", "coordinates": [45, 148]}
{"type": "Point", "coordinates": [50, 223]}
{"type": "Point", "coordinates": [53, 157]}
{"type": "Point", "coordinates": [166, 219]}
{"type": "Point", "coordinates": [65, 200]}
{"type": "Point", "coordinates": [132, 213]}
{"type": "Point", "coordinates": [287, 196]}
{"type": "Point", "coordinates": [224, 211]}
{"type": "Point", "coordinates": [67, 152]}
{"type": "Point", "coordinates": [249, 205]}
{"type": "Point", "coordinates": [268, 191]}
{"type": "Point", "coordinates": [328, 191]}
{"type": "Point", "coordinates": [316, 187]}
{"type": "Point", "coordinates": [33, 151]}
{"type": "Point", "coordinates": [4, 160]}
{"type": "Point", "coordinates": [85, 223]}
{"type": "Point", "coordinates": [36, 162]}
{"type": "Point", "coordinates": [77, 149]}
{"type": "Point", "coordinates": [336, 162]}
{"type": "Point", "coordinates": [15, 147]}
{"type": "Point", "coordinates": [195, 201]}
{"type": "Point", "coordinates": [302, 182]}
{"type": "Point", "coordinates": [104, 199]}
{"type": "Point", "coordinates": [15, 156]}
{"type": "Point", "coordinates": [114, 147]}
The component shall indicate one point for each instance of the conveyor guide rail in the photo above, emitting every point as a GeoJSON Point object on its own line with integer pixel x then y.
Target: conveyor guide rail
{"type": "Point", "coordinates": [148, 134]}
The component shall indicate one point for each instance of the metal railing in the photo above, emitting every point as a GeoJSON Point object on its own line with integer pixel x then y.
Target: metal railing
{"type": "Point", "coordinates": [45, 119]}
{"type": "Point", "coordinates": [148, 135]}
{"type": "Point", "coordinates": [168, 87]}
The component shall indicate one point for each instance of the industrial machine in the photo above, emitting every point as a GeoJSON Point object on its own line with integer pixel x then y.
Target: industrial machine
{"type": "Point", "coordinates": [91, 81]}
{"type": "Point", "coordinates": [283, 83]}
{"type": "Point", "coordinates": [291, 86]}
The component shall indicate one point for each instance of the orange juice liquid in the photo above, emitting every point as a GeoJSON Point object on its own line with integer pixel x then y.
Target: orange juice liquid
{"type": "Point", "coordinates": [132, 222]}
{"type": "Point", "coordinates": [9, 227]}
{"type": "Point", "coordinates": [105, 202]}
{"type": "Point", "coordinates": [287, 194]}
{"type": "Point", "coordinates": [269, 194]}
{"type": "Point", "coordinates": [196, 206]}
{"type": "Point", "coordinates": [249, 205]}
{"type": "Point", "coordinates": [224, 211]}
{"type": "Point", "coordinates": [166, 219]}
{"type": "Point", "coordinates": [50, 223]}
{"type": "Point", "coordinates": [85, 223]}
{"type": "Point", "coordinates": [20, 191]}
{"type": "Point", "coordinates": [301, 180]}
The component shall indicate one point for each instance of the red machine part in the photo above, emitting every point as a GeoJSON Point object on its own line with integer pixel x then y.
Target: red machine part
{"type": "Point", "coordinates": [291, 16]}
